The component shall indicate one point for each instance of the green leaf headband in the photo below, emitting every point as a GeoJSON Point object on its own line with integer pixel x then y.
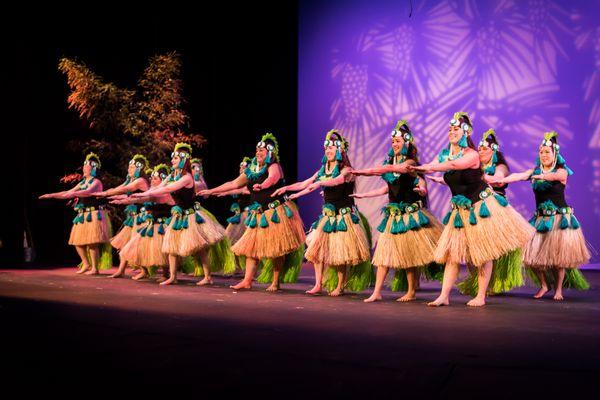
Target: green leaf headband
{"type": "Point", "coordinates": [139, 161]}
{"type": "Point", "coordinates": [182, 150]}
{"type": "Point", "coordinates": [340, 142]}
{"type": "Point", "coordinates": [402, 130]}
{"type": "Point", "coordinates": [93, 160]}
{"type": "Point", "coordinates": [157, 171]}
{"type": "Point", "coordinates": [245, 162]}
{"type": "Point", "coordinates": [548, 136]}
{"type": "Point", "coordinates": [459, 120]}
{"type": "Point", "coordinates": [484, 143]}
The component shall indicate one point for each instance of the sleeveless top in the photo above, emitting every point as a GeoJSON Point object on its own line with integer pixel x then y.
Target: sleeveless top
{"type": "Point", "coordinates": [553, 191]}
{"type": "Point", "coordinates": [339, 195]}
{"type": "Point", "coordinates": [466, 182]}
{"type": "Point", "coordinates": [263, 197]}
{"type": "Point", "coordinates": [184, 197]}
{"type": "Point", "coordinates": [401, 190]}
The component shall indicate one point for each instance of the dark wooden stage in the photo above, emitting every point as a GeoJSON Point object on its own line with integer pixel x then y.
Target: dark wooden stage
{"type": "Point", "coordinates": [59, 328]}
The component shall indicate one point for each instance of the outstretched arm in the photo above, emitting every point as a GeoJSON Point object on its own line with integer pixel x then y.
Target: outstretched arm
{"type": "Point", "coordinates": [273, 177]}
{"type": "Point", "coordinates": [58, 195]}
{"type": "Point", "coordinates": [560, 175]}
{"type": "Point", "coordinates": [166, 188]}
{"type": "Point", "coordinates": [295, 186]}
{"type": "Point", "coordinates": [237, 183]}
{"type": "Point", "coordinates": [89, 191]}
{"type": "Point", "coordinates": [401, 168]}
{"type": "Point", "coordinates": [373, 193]}
{"type": "Point", "coordinates": [514, 177]}
{"type": "Point", "coordinates": [468, 161]}
{"type": "Point", "coordinates": [243, 190]}
{"type": "Point", "coordinates": [137, 184]}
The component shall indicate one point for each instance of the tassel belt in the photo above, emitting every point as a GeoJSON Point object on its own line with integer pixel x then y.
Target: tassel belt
{"type": "Point", "coordinates": [547, 212]}
{"type": "Point", "coordinates": [396, 212]}
{"type": "Point", "coordinates": [402, 208]}
{"type": "Point", "coordinates": [332, 224]}
{"type": "Point", "coordinates": [82, 210]}
{"type": "Point", "coordinates": [236, 218]}
{"type": "Point", "coordinates": [461, 202]}
{"type": "Point", "coordinates": [255, 209]}
{"type": "Point", "coordinates": [180, 217]}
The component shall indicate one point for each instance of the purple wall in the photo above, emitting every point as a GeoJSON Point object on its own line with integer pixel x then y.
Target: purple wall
{"type": "Point", "coordinates": [521, 67]}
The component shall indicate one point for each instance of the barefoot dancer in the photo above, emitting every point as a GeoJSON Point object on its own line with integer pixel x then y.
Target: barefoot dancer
{"type": "Point", "coordinates": [91, 227]}
{"type": "Point", "coordinates": [135, 182]}
{"type": "Point", "coordinates": [558, 246]}
{"type": "Point", "coordinates": [144, 249]}
{"type": "Point", "coordinates": [409, 233]}
{"type": "Point", "coordinates": [274, 229]}
{"type": "Point", "coordinates": [189, 231]}
{"type": "Point", "coordinates": [480, 227]}
{"type": "Point", "coordinates": [339, 238]}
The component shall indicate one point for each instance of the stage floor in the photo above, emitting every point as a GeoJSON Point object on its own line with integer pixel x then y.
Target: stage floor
{"type": "Point", "coordinates": [57, 326]}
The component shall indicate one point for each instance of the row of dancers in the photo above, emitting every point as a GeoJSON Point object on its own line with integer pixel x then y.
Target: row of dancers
{"type": "Point", "coordinates": [166, 225]}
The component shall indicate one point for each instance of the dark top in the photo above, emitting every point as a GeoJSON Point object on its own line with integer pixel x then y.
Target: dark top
{"type": "Point", "coordinates": [501, 190]}
{"type": "Point", "coordinates": [92, 201]}
{"type": "Point", "coordinates": [263, 197]}
{"type": "Point", "coordinates": [339, 195]}
{"type": "Point", "coordinates": [466, 182]}
{"type": "Point", "coordinates": [243, 201]}
{"type": "Point", "coordinates": [401, 190]}
{"type": "Point", "coordinates": [554, 191]}
{"type": "Point", "coordinates": [160, 210]}
{"type": "Point", "coordinates": [184, 197]}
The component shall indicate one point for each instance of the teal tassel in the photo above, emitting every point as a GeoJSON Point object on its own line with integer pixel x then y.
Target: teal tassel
{"type": "Point", "coordinates": [447, 218]}
{"type": "Point", "coordinates": [355, 218]}
{"type": "Point", "coordinates": [341, 225]}
{"type": "Point", "coordinates": [99, 215]}
{"type": "Point", "coordinates": [128, 222]}
{"type": "Point", "coordinates": [199, 219]}
{"type": "Point", "coordinates": [412, 224]}
{"type": "Point", "coordinates": [549, 223]}
{"type": "Point", "coordinates": [541, 227]}
{"type": "Point", "coordinates": [143, 232]}
{"type": "Point", "coordinates": [247, 220]}
{"type": "Point", "coordinates": [161, 229]}
{"type": "Point", "coordinates": [288, 211]}
{"type": "Point", "coordinates": [463, 141]}
{"type": "Point", "coordinates": [185, 223]}
{"type": "Point", "coordinates": [252, 223]}
{"type": "Point", "coordinates": [472, 218]}
{"type": "Point", "coordinates": [168, 221]}
{"type": "Point", "coordinates": [150, 232]}
{"type": "Point", "coordinates": [234, 219]}
{"type": "Point", "coordinates": [176, 225]}
{"type": "Point", "coordinates": [423, 220]}
{"type": "Point", "coordinates": [501, 200]}
{"type": "Point", "coordinates": [275, 217]}
{"type": "Point", "coordinates": [316, 223]}
{"type": "Point", "coordinates": [564, 224]}
{"type": "Point", "coordinates": [532, 220]}
{"type": "Point", "coordinates": [139, 220]}
{"type": "Point", "coordinates": [383, 224]}
{"type": "Point", "coordinates": [328, 227]}
{"type": "Point", "coordinates": [263, 221]}
{"type": "Point", "coordinates": [398, 226]}
{"type": "Point", "coordinates": [458, 222]}
{"type": "Point", "coordinates": [484, 212]}
{"type": "Point", "coordinates": [89, 217]}
{"type": "Point", "coordinates": [574, 223]}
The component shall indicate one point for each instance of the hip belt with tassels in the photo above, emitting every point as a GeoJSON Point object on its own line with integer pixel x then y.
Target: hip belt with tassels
{"type": "Point", "coordinates": [461, 202]}
{"type": "Point", "coordinates": [396, 211]}
{"type": "Point", "coordinates": [180, 217]}
{"type": "Point", "coordinates": [255, 209]}
{"type": "Point", "coordinates": [547, 211]}
{"type": "Point", "coordinates": [81, 210]}
{"type": "Point", "coordinates": [333, 224]}
{"type": "Point", "coordinates": [236, 218]}
{"type": "Point", "coordinates": [146, 215]}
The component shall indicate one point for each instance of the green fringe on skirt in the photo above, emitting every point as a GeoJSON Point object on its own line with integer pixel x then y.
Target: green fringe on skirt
{"type": "Point", "coordinates": [432, 272]}
{"type": "Point", "coordinates": [220, 256]}
{"type": "Point", "coordinates": [106, 253]}
{"type": "Point", "coordinates": [290, 270]}
{"type": "Point", "coordinates": [574, 279]}
{"type": "Point", "coordinates": [507, 274]}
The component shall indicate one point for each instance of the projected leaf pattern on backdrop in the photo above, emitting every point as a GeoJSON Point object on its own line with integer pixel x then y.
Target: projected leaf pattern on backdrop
{"type": "Point", "coordinates": [498, 60]}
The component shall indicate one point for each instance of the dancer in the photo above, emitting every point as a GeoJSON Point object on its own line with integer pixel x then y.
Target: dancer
{"type": "Point", "coordinates": [144, 249]}
{"type": "Point", "coordinates": [339, 239]}
{"type": "Point", "coordinates": [558, 247]}
{"type": "Point", "coordinates": [134, 182]}
{"type": "Point", "coordinates": [198, 171]}
{"type": "Point", "coordinates": [190, 231]}
{"type": "Point", "coordinates": [274, 231]}
{"type": "Point", "coordinates": [91, 227]}
{"type": "Point", "coordinates": [409, 232]}
{"type": "Point", "coordinates": [235, 228]}
{"type": "Point", "coordinates": [481, 226]}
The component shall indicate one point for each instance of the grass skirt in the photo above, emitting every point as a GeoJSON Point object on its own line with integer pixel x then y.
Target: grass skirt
{"type": "Point", "coordinates": [408, 238]}
{"type": "Point", "coordinates": [129, 226]}
{"type": "Point", "coordinates": [90, 226]}
{"type": "Point", "coordinates": [272, 233]}
{"type": "Point", "coordinates": [482, 232]}
{"type": "Point", "coordinates": [236, 227]}
{"type": "Point", "coordinates": [190, 231]}
{"type": "Point", "coordinates": [144, 249]}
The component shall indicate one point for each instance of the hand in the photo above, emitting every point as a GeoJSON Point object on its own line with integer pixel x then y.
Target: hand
{"type": "Point", "coordinates": [293, 196]}
{"type": "Point", "coordinates": [279, 191]}
{"type": "Point", "coordinates": [539, 177]}
{"type": "Point", "coordinates": [100, 194]}
{"type": "Point", "coordinates": [257, 187]}
{"type": "Point", "coordinates": [421, 191]}
{"type": "Point", "coordinates": [205, 193]}
{"type": "Point", "coordinates": [46, 196]}
{"type": "Point", "coordinates": [420, 168]}
{"type": "Point", "coordinates": [221, 194]}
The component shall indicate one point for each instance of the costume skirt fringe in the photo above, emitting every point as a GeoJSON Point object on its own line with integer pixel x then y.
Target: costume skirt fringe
{"type": "Point", "coordinates": [236, 229]}
{"type": "Point", "coordinates": [190, 231]}
{"type": "Point", "coordinates": [129, 226]}
{"type": "Point", "coordinates": [90, 226]}
{"type": "Point", "coordinates": [482, 232]}
{"type": "Point", "coordinates": [338, 240]}
{"type": "Point", "coordinates": [144, 249]}
{"type": "Point", "coordinates": [557, 247]}
{"type": "Point", "coordinates": [271, 233]}
{"type": "Point", "coordinates": [413, 241]}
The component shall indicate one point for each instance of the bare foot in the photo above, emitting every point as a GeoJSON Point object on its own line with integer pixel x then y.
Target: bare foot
{"type": "Point", "coordinates": [273, 288]}
{"type": "Point", "coordinates": [117, 274]}
{"type": "Point", "coordinates": [242, 285]}
{"type": "Point", "coordinates": [558, 296]}
{"type": "Point", "coordinates": [476, 302]}
{"type": "Point", "coordinates": [169, 281]}
{"type": "Point", "coordinates": [440, 301]}
{"type": "Point", "coordinates": [93, 271]}
{"type": "Point", "coordinates": [336, 292]}
{"type": "Point", "coordinates": [205, 281]}
{"type": "Point", "coordinates": [315, 290]}
{"type": "Point", "coordinates": [407, 297]}
{"type": "Point", "coordinates": [139, 276]}
{"type": "Point", "coordinates": [82, 269]}
{"type": "Point", "coordinates": [541, 292]}
{"type": "Point", "coordinates": [373, 298]}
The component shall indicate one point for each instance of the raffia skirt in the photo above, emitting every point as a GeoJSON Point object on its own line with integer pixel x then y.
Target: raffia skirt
{"type": "Point", "coordinates": [90, 226]}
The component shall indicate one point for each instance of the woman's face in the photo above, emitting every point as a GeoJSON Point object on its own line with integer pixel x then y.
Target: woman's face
{"type": "Point", "coordinates": [330, 153]}
{"type": "Point", "coordinates": [175, 161]}
{"type": "Point", "coordinates": [155, 180]}
{"type": "Point", "coordinates": [87, 169]}
{"type": "Point", "coordinates": [454, 134]}
{"type": "Point", "coordinates": [397, 144]}
{"type": "Point", "coordinates": [546, 156]}
{"type": "Point", "coordinates": [131, 170]}
{"type": "Point", "coordinates": [196, 168]}
{"type": "Point", "coordinates": [261, 154]}
{"type": "Point", "coordinates": [485, 154]}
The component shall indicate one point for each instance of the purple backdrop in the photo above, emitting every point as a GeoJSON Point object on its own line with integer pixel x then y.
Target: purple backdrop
{"type": "Point", "coordinates": [521, 67]}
